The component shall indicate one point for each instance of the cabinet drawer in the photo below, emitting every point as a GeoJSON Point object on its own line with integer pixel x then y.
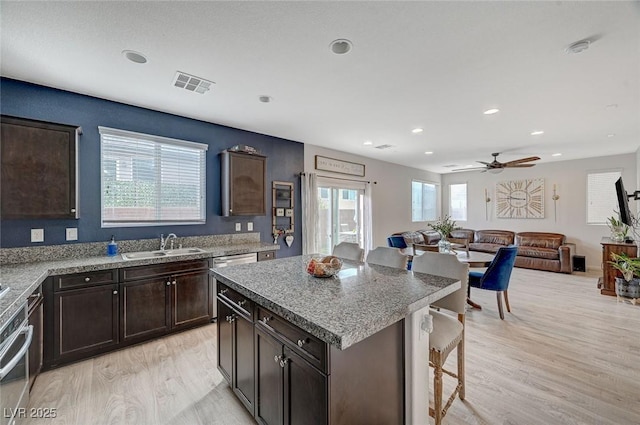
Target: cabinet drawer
{"type": "Point", "coordinates": [143, 272]}
{"type": "Point", "coordinates": [266, 255]}
{"type": "Point", "coordinates": [239, 302]}
{"type": "Point", "coordinates": [308, 346]}
{"type": "Point", "coordinates": [78, 280]}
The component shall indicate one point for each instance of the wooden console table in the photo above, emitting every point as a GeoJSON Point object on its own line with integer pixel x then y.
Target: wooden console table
{"type": "Point", "coordinates": [607, 283]}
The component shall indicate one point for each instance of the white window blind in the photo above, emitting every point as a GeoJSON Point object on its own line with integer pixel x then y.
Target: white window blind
{"type": "Point", "coordinates": [151, 180]}
{"type": "Point", "coordinates": [458, 201]}
{"type": "Point", "coordinates": [601, 196]}
{"type": "Point", "coordinates": [423, 201]}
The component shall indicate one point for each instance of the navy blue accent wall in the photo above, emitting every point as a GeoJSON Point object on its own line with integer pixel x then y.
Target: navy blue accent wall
{"type": "Point", "coordinates": [285, 160]}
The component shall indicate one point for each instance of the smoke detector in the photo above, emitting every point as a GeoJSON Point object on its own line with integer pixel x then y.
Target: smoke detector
{"type": "Point", "coordinates": [192, 83]}
{"type": "Point", "coordinates": [578, 46]}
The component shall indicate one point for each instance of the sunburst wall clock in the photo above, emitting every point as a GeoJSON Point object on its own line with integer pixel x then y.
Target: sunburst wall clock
{"type": "Point", "coordinates": [520, 199]}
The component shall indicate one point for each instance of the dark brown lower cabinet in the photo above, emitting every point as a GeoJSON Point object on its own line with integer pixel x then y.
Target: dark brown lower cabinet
{"type": "Point", "coordinates": [146, 310]}
{"type": "Point", "coordinates": [85, 322]}
{"type": "Point", "coordinates": [190, 299]}
{"type": "Point", "coordinates": [225, 340]}
{"type": "Point", "coordinates": [35, 349]}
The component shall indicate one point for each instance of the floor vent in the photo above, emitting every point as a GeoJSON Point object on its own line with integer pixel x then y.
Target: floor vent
{"type": "Point", "coordinates": [383, 147]}
{"type": "Point", "coordinates": [192, 83]}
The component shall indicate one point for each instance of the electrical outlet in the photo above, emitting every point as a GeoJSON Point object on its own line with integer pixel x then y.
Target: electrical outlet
{"type": "Point", "coordinates": [72, 233]}
{"type": "Point", "coordinates": [37, 235]}
{"type": "Point", "coordinates": [250, 227]}
{"type": "Point", "coordinates": [238, 227]}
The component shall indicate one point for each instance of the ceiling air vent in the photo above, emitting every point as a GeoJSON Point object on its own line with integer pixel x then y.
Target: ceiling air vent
{"type": "Point", "coordinates": [192, 83]}
{"type": "Point", "coordinates": [383, 147]}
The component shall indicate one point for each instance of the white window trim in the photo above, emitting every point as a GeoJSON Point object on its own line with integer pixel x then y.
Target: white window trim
{"type": "Point", "coordinates": [159, 140]}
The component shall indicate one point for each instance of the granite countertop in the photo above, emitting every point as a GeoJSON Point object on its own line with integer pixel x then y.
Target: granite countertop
{"type": "Point", "coordinates": [24, 278]}
{"type": "Point", "coordinates": [360, 301]}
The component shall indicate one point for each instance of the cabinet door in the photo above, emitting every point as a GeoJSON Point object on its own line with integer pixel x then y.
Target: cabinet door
{"type": "Point", "coordinates": [244, 184]}
{"type": "Point", "coordinates": [225, 340]}
{"type": "Point", "coordinates": [305, 392]}
{"type": "Point", "coordinates": [38, 169]}
{"type": "Point", "coordinates": [269, 379]}
{"type": "Point", "coordinates": [243, 376]}
{"type": "Point", "coordinates": [146, 310]}
{"type": "Point", "coordinates": [191, 299]}
{"type": "Point", "coordinates": [35, 349]}
{"type": "Point", "coordinates": [85, 321]}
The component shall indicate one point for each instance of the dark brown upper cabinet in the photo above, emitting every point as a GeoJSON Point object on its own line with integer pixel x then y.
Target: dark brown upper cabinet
{"type": "Point", "coordinates": [39, 169]}
{"type": "Point", "coordinates": [244, 179]}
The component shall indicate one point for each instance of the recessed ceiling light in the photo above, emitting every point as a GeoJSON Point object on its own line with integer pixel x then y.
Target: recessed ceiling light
{"type": "Point", "coordinates": [265, 99]}
{"type": "Point", "coordinates": [340, 46]}
{"type": "Point", "coordinates": [611, 135]}
{"type": "Point", "coordinates": [611, 106]}
{"type": "Point", "coordinates": [428, 153]}
{"type": "Point", "coordinates": [134, 56]}
{"type": "Point", "coordinates": [491, 111]}
{"type": "Point", "coordinates": [556, 154]}
{"type": "Point", "coordinates": [578, 46]}
{"type": "Point", "coordinates": [537, 132]}
{"type": "Point", "coordinates": [417, 130]}
{"type": "Point", "coordinates": [368, 143]}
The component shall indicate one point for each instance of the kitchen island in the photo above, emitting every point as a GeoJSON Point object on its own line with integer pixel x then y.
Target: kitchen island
{"type": "Point", "coordinates": [344, 350]}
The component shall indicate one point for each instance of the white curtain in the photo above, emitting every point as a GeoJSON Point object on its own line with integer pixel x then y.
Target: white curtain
{"type": "Point", "coordinates": [309, 213]}
{"type": "Point", "coordinates": [368, 225]}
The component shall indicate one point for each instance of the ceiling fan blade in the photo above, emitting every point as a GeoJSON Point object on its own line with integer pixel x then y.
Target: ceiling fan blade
{"type": "Point", "coordinates": [507, 165]}
{"type": "Point", "coordinates": [521, 160]}
{"type": "Point", "coordinates": [485, 163]}
{"type": "Point", "coordinates": [471, 169]}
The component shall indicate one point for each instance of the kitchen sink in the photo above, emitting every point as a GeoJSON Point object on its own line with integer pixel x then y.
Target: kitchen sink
{"type": "Point", "coordinates": [145, 255]}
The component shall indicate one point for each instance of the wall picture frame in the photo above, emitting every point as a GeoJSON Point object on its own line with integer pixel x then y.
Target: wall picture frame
{"type": "Point", "coordinates": [339, 166]}
{"type": "Point", "coordinates": [520, 199]}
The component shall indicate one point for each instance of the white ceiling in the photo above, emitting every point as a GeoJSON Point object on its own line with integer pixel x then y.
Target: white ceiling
{"type": "Point", "coordinates": [435, 65]}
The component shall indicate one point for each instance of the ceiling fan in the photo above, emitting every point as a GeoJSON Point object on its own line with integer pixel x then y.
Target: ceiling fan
{"type": "Point", "coordinates": [496, 166]}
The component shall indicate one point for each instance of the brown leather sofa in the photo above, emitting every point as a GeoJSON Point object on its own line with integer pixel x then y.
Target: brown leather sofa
{"type": "Point", "coordinates": [536, 250]}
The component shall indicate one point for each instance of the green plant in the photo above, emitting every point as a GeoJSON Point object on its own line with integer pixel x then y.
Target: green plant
{"type": "Point", "coordinates": [629, 267]}
{"type": "Point", "coordinates": [444, 226]}
{"type": "Point", "coordinates": [619, 230]}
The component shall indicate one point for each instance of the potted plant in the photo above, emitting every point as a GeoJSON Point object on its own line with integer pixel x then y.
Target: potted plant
{"type": "Point", "coordinates": [444, 226]}
{"type": "Point", "coordinates": [619, 230]}
{"type": "Point", "coordinates": [629, 284]}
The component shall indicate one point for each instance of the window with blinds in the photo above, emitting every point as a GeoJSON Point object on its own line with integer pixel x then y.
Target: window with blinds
{"type": "Point", "coordinates": [601, 196]}
{"type": "Point", "coordinates": [423, 201]}
{"type": "Point", "coordinates": [151, 180]}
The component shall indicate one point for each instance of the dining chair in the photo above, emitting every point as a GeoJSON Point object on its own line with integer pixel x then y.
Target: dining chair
{"type": "Point", "coordinates": [425, 248]}
{"type": "Point", "coordinates": [348, 251]}
{"type": "Point", "coordinates": [459, 243]}
{"type": "Point", "coordinates": [448, 330]}
{"type": "Point", "coordinates": [385, 256]}
{"type": "Point", "coordinates": [496, 277]}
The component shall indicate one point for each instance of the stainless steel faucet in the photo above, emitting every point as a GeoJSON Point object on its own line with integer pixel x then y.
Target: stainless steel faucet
{"type": "Point", "coordinates": [163, 241]}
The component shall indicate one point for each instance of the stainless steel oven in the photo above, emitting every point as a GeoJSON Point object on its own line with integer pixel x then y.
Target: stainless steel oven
{"type": "Point", "coordinates": [15, 338]}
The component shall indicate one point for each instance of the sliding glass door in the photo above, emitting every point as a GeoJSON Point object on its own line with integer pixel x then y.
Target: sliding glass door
{"type": "Point", "coordinates": [341, 216]}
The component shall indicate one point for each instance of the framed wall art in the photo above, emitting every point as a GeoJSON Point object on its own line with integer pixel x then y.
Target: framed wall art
{"type": "Point", "coordinates": [339, 166]}
{"type": "Point", "coordinates": [520, 199]}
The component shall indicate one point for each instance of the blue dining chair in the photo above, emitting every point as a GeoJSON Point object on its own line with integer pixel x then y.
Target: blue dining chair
{"type": "Point", "coordinates": [496, 277]}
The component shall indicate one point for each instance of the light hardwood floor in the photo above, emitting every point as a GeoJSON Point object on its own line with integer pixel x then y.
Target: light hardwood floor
{"type": "Point", "coordinates": [565, 355]}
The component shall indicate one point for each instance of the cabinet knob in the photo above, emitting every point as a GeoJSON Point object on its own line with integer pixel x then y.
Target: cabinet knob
{"type": "Point", "coordinates": [242, 302]}
{"type": "Point", "coordinates": [87, 279]}
{"type": "Point", "coordinates": [266, 319]}
{"type": "Point", "coordinates": [174, 282]}
{"type": "Point", "coordinates": [302, 342]}
{"type": "Point", "coordinates": [231, 318]}
{"type": "Point", "coordinates": [277, 359]}
{"type": "Point", "coordinates": [223, 291]}
{"type": "Point", "coordinates": [168, 282]}
{"type": "Point", "coordinates": [115, 292]}
{"type": "Point", "coordinates": [73, 210]}
{"type": "Point", "coordinates": [283, 362]}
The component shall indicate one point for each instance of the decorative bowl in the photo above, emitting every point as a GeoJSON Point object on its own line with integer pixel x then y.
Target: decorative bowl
{"type": "Point", "coordinates": [324, 266]}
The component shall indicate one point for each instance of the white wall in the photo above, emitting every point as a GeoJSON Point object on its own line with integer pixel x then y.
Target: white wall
{"type": "Point", "coordinates": [570, 178]}
{"type": "Point", "coordinates": [391, 189]}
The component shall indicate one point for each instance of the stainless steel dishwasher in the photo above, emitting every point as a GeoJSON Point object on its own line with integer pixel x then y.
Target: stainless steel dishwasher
{"type": "Point", "coordinates": [226, 261]}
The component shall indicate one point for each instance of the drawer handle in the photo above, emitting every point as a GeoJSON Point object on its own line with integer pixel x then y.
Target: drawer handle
{"type": "Point", "coordinates": [302, 342]}
{"type": "Point", "coordinates": [242, 302]}
{"type": "Point", "coordinates": [87, 279]}
{"type": "Point", "coordinates": [266, 319]}
{"type": "Point", "coordinates": [231, 318]}
{"type": "Point", "coordinates": [223, 291]}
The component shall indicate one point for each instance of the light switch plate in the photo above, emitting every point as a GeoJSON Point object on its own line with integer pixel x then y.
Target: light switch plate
{"type": "Point", "coordinates": [72, 233]}
{"type": "Point", "coordinates": [250, 227]}
{"type": "Point", "coordinates": [238, 227]}
{"type": "Point", "coordinates": [37, 235]}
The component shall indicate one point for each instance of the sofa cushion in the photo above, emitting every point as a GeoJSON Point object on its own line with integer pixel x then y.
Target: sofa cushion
{"type": "Point", "coordinates": [462, 234]}
{"type": "Point", "coordinates": [540, 239]}
{"type": "Point", "coordinates": [412, 237]}
{"type": "Point", "coordinates": [485, 247]}
{"type": "Point", "coordinates": [431, 237]}
{"type": "Point", "coordinates": [547, 253]}
{"type": "Point", "coordinates": [501, 237]}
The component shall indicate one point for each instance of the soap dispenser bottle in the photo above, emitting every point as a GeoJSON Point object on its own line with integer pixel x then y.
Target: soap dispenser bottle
{"type": "Point", "coordinates": [112, 247]}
